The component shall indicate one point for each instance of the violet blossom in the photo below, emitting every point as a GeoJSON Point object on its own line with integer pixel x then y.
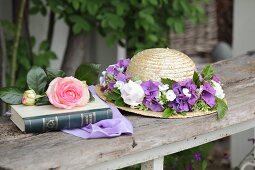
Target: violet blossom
{"type": "Point", "coordinates": [123, 63]}
{"type": "Point", "coordinates": [153, 104]}
{"type": "Point", "coordinates": [197, 156]}
{"type": "Point", "coordinates": [111, 85]}
{"type": "Point", "coordinates": [208, 94]}
{"type": "Point", "coordinates": [186, 96]}
{"type": "Point", "coordinates": [122, 77]}
{"type": "Point", "coordinates": [151, 90]}
{"type": "Point", "coordinates": [215, 78]}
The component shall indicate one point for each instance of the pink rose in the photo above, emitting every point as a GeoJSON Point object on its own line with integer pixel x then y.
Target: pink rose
{"type": "Point", "coordinates": [67, 92]}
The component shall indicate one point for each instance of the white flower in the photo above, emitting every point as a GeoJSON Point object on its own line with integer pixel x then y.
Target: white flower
{"type": "Point", "coordinates": [170, 95]}
{"type": "Point", "coordinates": [163, 87]}
{"type": "Point", "coordinates": [199, 91]}
{"type": "Point", "coordinates": [102, 81]}
{"type": "Point", "coordinates": [139, 81]}
{"type": "Point", "coordinates": [219, 91]}
{"type": "Point", "coordinates": [119, 84]}
{"type": "Point", "coordinates": [132, 93]}
{"type": "Point", "coordinates": [120, 69]}
{"type": "Point", "coordinates": [186, 92]}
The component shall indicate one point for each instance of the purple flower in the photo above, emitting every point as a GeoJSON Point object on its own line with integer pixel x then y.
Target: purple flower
{"type": "Point", "coordinates": [216, 78]}
{"type": "Point", "coordinates": [208, 94]}
{"type": "Point", "coordinates": [123, 63]}
{"type": "Point", "coordinates": [186, 96]}
{"type": "Point", "coordinates": [111, 85]}
{"type": "Point", "coordinates": [153, 104]}
{"type": "Point", "coordinates": [122, 77]}
{"type": "Point", "coordinates": [197, 156]}
{"type": "Point", "coordinates": [150, 88]}
{"type": "Point", "coordinates": [112, 70]}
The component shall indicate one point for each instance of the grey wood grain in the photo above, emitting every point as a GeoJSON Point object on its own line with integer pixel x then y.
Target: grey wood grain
{"type": "Point", "coordinates": [60, 150]}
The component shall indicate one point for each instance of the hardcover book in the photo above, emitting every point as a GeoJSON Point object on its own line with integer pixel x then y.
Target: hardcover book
{"type": "Point", "coordinates": [49, 118]}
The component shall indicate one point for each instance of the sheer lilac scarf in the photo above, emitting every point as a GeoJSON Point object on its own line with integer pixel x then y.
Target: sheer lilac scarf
{"type": "Point", "coordinates": [105, 128]}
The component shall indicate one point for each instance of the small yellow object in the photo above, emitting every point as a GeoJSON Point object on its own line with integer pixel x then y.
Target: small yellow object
{"type": "Point", "coordinates": [29, 97]}
{"type": "Point", "coordinates": [85, 83]}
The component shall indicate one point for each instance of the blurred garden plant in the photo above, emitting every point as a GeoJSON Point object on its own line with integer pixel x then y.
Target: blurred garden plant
{"type": "Point", "coordinates": [191, 159]}
{"type": "Point", "coordinates": [27, 56]}
{"type": "Point", "coordinates": [134, 24]}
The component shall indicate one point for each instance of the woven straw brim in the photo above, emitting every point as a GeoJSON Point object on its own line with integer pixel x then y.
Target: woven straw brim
{"type": "Point", "coordinates": [154, 64]}
{"type": "Point", "coordinates": [151, 113]}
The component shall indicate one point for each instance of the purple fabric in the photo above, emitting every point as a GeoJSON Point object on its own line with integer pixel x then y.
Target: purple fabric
{"type": "Point", "coordinates": [105, 128]}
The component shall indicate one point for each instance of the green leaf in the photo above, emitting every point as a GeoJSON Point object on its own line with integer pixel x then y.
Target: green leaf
{"type": "Point", "coordinates": [183, 113]}
{"type": "Point", "coordinates": [44, 45]}
{"type": "Point", "coordinates": [37, 79]}
{"type": "Point", "coordinates": [168, 81]}
{"type": "Point", "coordinates": [201, 106]}
{"type": "Point", "coordinates": [178, 26]}
{"type": "Point", "coordinates": [119, 102]}
{"type": "Point", "coordinates": [76, 4]}
{"type": "Point", "coordinates": [52, 74]}
{"type": "Point", "coordinates": [79, 23]}
{"type": "Point", "coordinates": [88, 73]}
{"type": "Point", "coordinates": [11, 95]}
{"type": "Point", "coordinates": [112, 96]}
{"type": "Point", "coordinates": [153, 38]}
{"type": "Point", "coordinates": [91, 97]}
{"type": "Point", "coordinates": [208, 72]}
{"type": "Point", "coordinates": [222, 107]}
{"type": "Point", "coordinates": [196, 79]}
{"type": "Point", "coordinates": [44, 100]}
{"type": "Point", "coordinates": [204, 165]}
{"type": "Point", "coordinates": [168, 112]}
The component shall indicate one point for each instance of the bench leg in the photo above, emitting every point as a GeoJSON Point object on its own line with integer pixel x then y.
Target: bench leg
{"type": "Point", "coordinates": [155, 164]}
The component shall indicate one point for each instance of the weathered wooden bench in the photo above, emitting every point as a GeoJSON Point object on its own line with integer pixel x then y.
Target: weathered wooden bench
{"type": "Point", "coordinates": [152, 140]}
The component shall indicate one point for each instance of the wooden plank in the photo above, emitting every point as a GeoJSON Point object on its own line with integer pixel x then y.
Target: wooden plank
{"type": "Point", "coordinates": [155, 164]}
{"type": "Point", "coordinates": [60, 150]}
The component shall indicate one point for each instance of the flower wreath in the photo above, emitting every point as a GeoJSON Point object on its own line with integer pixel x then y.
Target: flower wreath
{"type": "Point", "coordinates": [201, 93]}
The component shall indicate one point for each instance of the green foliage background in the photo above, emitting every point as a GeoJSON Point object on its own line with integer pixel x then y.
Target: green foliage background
{"type": "Point", "coordinates": [135, 24]}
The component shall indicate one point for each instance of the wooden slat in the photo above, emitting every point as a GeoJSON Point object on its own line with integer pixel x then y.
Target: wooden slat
{"type": "Point", "coordinates": [60, 150]}
{"type": "Point", "coordinates": [155, 164]}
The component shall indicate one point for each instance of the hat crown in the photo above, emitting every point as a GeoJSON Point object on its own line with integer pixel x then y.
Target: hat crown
{"type": "Point", "coordinates": [154, 64]}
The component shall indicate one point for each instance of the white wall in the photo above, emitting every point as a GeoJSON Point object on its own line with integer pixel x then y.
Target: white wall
{"type": "Point", "coordinates": [5, 9]}
{"type": "Point", "coordinates": [243, 41]}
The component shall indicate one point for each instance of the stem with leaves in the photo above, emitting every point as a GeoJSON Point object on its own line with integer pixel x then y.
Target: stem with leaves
{"type": "Point", "coordinates": [16, 42]}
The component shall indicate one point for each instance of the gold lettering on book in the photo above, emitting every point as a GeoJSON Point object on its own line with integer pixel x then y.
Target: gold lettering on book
{"type": "Point", "coordinates": [43, 124]}
{"type": "Point", "coordinates": [82, 119]}
{"type": "Point", "coordinates": [51, 124]}
{"type": "Point", "coordinates": [56, 119]}
{"type": "Point", "coordinates": [94, 115]}
{"type": "Point", "coordinates": [87, 119]}
{"type": "Point", "coordinates": [90, 118]}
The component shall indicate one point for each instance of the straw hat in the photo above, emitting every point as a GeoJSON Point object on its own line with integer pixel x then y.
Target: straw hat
{"type": "Point", "coordinates": [154, 64]}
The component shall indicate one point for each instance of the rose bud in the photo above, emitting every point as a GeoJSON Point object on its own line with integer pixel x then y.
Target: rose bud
{"type": "Point", "coordinates": [29, 97]}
